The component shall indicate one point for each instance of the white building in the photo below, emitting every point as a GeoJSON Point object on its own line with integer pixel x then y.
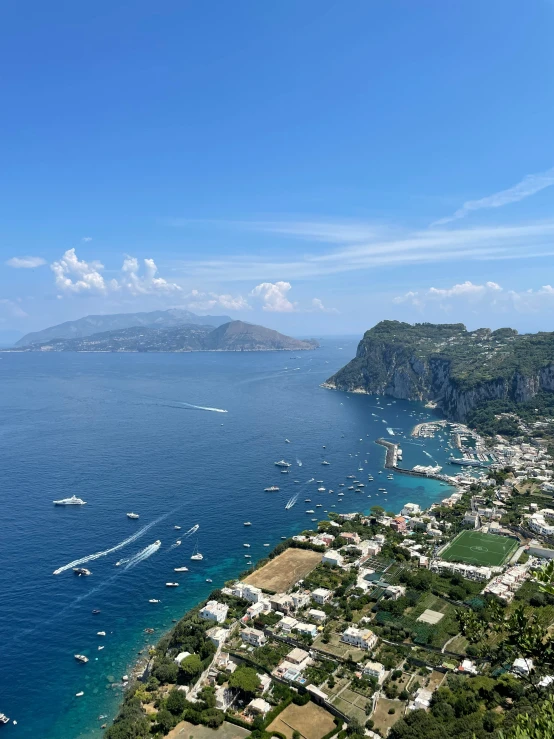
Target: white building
{"type": "Point", "coordinates": [332, 557]}
{"type": "Point", "coordinates": [214, 611]}
{"type": "Point", "coordinates": [300, 599]}
{"type": "Point", "coordinates": [376, 670]}
{"type": "Point", "coordinates": [316, 615]}
{"type": "Point", "coordinates": [410, 509]}
{"type": "Point", "coordinates": [217, 635]}
{"type": "Point", "coordinates": [253, 636]}
{"type": "Point", "coordinates": [258, 707]}
{"type": "Point", "coordinates": [180, 657]}
{"type": "Point", "coordinates": [287, 623]}
{"type": "Point", "coordinates": [361, 638]}
{"type": "Point", "coordinates": [248, 592]}
{"type": "Point", "coordinates": [421, 700]}
{"type": "Point", "coordinates": [309, 629]}
{"type": "Point", "coordinates": [395, 591]}
{"type": "Point", "coordinates": [321, 595]}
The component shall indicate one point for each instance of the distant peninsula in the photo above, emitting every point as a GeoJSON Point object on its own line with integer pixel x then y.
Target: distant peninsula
{"type": "Point", "coordinates": [237, 336]}
{"type": "Point", "coordinates": [461, 371]}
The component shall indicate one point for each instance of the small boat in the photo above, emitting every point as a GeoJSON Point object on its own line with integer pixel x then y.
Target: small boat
{"type": "Point", "coordinates": [266, 545]}
{"type": "Point", "coordinates": [382, 490]}
{"type": "Point", "coordinates": [100, 633]}
{"type": "Point", "coordinates": [132, 515]}
{"type": "Point", "coordinates": [180, 569]}
{"type": "Point", "coordinates": [319, 505]}
{"type": "Point", "coordinates": [178, 528]}
{"type": "Point", "coordinates": [246, 545]}
{"type": "Point", "coordinates": [350, 487]}
{"type": "Point", "coordinates": [209, 579]}
{"type": "Point", "coordinates": [96, 611]}
{"type": "Point", "coordinates": [325, 462]}
{"type": "Point", "coordinates": [81, 658]}
{"type": "Point", "coordinates": [79, 694]}
{"type": "Point", "coordinates": [247, 523]}
{"type": "Point", "coordinates": [310, 511]}
{"type": "Point", "coordinates": [81, 571]}
{"type": "Point", "coordinates": [283, 537]}
{"type": "Point", "coordinates": [172, 584]}
{"type": "Point", "coordinates": [154, 600]}
{"type": "Point", "coordinates": [321, 490]}
{"type": "Point", "coordinates": [314, 519]}
{"type": "Point", "coordinates": [271, 489]}
{"type": "Point", "coordinates": [307, 500]}
{"type": "Point", "coordinates": [3, 718]}
{"type": "Point", "coordinates": [284, 472]}
{"type": "Point", "coordinates": [177, 543]}
{"type": "Point", "coordinates": [149, 630]}
{"type": "Point", "coordinates": [282, 463]}
{"type": "Point", "coordinates": [248, 556]}
{"type": "Point", "coordinates": [287, 441]}
{"type": "Point", "coordinates": [340, 495]}
{"type": "Point", "coordinates": [196, 555]}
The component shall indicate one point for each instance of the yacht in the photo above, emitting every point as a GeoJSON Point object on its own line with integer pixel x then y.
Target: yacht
{"type": "Point", "coordinates": [325, 462]}
{"type": "Point", "coordinates": [172, 584]}
{"type": "Point", "coordinates": [209, 579]}
{"type": "Point", "coordinates": [284, 472]}
{"type": "Point", "coordinates": [3, 718]}
{"type": "Point", "coordinates": [247, 523]}
{"type": "Point", "coordinates": [96, 611]}
{"type": "Point", "coordinates": [360, 485]}
{"type": "Point", "coordinates": [307, 500]}
{"type": "Point", "coordinates": [74, 500]}
{"type": "Point", "coordinates": [282, 463]}
{"type": "Point", "coordinates": [287, 441]}
{"type": "Point", "coordinates": [350, 487]}
{"type": "Point", "coordinates": [81, 658]}
{"type": "Point", "coordinates": [100, 633]}
{"type": "Point", "coordinates": [351, 477]}
{"type": "Point", "coordinates": [266, 545]}
{"type": "Point", "coordinates": [246, 545]}
{"type": "Point", "coordinates": [154, 600]}
{"type": "Point", "coordinates": [177, 528]}
{"type": "Point", "coordinates": [319, 505]}
{"type": "Point", "coordinates": [271, 489]}
{"type": "Point", "coordinates": [197, 555]}
{"type": "Point", "coordinates": [180, 569]}
{"type": "Point", "coordinates": [132, 515]}
{"type": "Point", "coordinates": [81, 571]}
{"type": "Point", "coordinates": [382, 490]}
{"type": "Point", "coordinates": [80, 694]}
{"type": "Point", "coordinates": [310, 511]}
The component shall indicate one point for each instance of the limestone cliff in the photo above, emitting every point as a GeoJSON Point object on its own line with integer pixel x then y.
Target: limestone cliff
{"type": "Point", "coordinates": [445, 363]}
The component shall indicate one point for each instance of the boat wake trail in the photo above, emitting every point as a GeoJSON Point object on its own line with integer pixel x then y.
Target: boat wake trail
{"type": "Point", "coordinates": [299, 462]}
{"type": "Point", "coordinates": [143, 554]}
{"type": "Point", "coordinates": [203, 408]}
{"type": "Point", "coordinates": [191, 531]}
{"type": "Point", "coordinates": [124, 543]}
{"type": "Point", "coordinates": [291, 502]}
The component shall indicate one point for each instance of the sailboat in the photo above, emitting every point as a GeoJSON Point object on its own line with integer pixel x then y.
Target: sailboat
{"type": "Point", "coordinates": [196, 554]}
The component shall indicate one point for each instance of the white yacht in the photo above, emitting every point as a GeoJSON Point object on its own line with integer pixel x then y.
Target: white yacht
{"type": "Point", "coordinates": [310, 511]}
{"type": "Point", "coordinates": [246, 545]}
{"type": "Point", "coordinates": [81, 658]}
{"type": "Point", "coordinates": [82, 571]}
{"type": "Point", "coordinates": [321, 490]}
{"type": "Point", "coordinates": [3, 718]}
{"type": "Point", "coordinates": [154, 600]}
{"type": "Point", "coordinates": [177, 528]}
{"type": "Point", "coordinates": [282, 463]}
{"type": "Point", "coordinates": [271, 489]}
{"type": "Point", "coordinates": [74, 500]}
{"type": "Point", "coordinates": [196, 555]}
{"type": "Point", "coordinates": [247, 523]}
{"type": "Point", "coordinates": [100, 633]}
{"type": "Point", "coordinates": [325, 462]}
{"type": "Point", "coordinates": [180, 569]}
{"type": "Point", "coordinates": [132, 515]}
{"type": "Point", "coordinates": [172, 584]}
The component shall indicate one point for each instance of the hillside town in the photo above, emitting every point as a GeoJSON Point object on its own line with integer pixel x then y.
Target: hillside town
{"type": "Point", "coordinates": [357, 626]}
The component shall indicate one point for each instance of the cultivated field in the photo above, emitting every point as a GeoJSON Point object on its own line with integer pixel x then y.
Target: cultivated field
{"type": "Point", "coordinates": [282, 572]}
{"type": "Point", "coordinates": [184, 730]}
{"type": "Point", "coordinates": [476, 548]}
{"type": "Point", "coordinates": [338, 648]}
{"type": "Point", "coordinates": [310, 720]}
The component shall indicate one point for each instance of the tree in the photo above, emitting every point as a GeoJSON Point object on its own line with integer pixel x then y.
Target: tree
{"type": "Point", "coordinates": [538, 726]}
{"type": "Point", "coordinates": [165, 721]}
{"type": "Point", "coordinates": [245, 679]}
{"type": "Point", "coordinates": [176, 702]}
{"type": "Point", "coordinates": [191, 667]}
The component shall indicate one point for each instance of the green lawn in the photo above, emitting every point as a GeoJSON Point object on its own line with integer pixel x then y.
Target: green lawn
{"type": "Point", "coordinates": [474, 547]}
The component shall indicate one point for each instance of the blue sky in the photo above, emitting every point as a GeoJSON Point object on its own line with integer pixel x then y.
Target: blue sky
{"type": "Point", "coordinates": [311, 165]}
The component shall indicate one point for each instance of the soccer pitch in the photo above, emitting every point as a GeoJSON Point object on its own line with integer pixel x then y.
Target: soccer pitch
{"type": "Point", "coordinates": [473, 547]}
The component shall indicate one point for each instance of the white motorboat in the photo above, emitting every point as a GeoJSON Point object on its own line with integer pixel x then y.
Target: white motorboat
{"type": "Point", "coordinates": [180, 569]}
{"type": "Point", "coordinates": [79, 694]}
{"type": "Point", "coordinates": [282, 463]}
{"type": "Point", "coordinates": [100, 633]}
{"type": "Point", "coordinates": [74, 500]}
{"type": "Point", "coordinates": [154, 600]}
{"type": "Point", "coordinates": [246, 545]}
{"type": "Point", "coordinates": [325, 462]}
{"type": "Point", "coordinates": [209, 579]}
{"type": "Point", "coordinates": [310, 511]}
{"type": "Point", "coordinates": [321, 490]}
{"type": "Point", "coordinates": [81, 658]}
{"type": "Point", "coordinates": [196, 554]}
{"type": "Point", "coordinates": [247, 523]}
{"type": "Point", "coordinates": [271, 489]}
{"type": "Point", "coordinates": [133, 515]}
{"type": "Point", "coordinates": [82, 571]}
{"type": "Point", "coordinates": [177, 528]}
{"type": "Point", "coordinates": [287, 441]}
{"type": "Point", "coordinates": [172, 584]}
{"type": "Point", "coordinates": [100, 648]}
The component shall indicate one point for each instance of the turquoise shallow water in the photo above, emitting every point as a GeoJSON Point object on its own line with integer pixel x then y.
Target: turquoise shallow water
{"type": "Point", "coordinates": [121, 432]}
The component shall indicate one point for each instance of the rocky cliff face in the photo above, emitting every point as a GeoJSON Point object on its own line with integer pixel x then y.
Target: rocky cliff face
{"type": "Point", "coordinates": [424, 363]}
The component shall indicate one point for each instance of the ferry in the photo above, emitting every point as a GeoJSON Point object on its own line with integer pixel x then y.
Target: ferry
{"type": "Point", "coordinates": [81, 658]}
{"type": "Point", "coordinates": [282, 463]}
{"type": "Point", "coordinates": [132, 515]}
{"type": "Point", "coordinates": [74, 500]}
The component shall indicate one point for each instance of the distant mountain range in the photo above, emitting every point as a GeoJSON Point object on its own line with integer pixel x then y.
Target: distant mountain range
{"type": "Point", "coordinates": [90, 325]}
{"type": "Point", "coordinates": [188, 337]}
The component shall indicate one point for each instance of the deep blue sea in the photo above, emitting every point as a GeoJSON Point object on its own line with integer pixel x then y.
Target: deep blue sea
{"type": "Point", "coordinates": [122, 432]}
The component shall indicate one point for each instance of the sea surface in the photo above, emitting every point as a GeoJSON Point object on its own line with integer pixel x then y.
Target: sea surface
{"type": "Point", "coordinates": [182, 440]}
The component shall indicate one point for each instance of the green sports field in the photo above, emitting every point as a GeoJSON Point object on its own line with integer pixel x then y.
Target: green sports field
{"type": "Point", "coordinates": [475, 548]}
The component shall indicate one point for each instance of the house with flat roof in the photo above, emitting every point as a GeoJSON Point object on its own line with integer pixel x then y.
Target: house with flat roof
{"type": "Point", "coordinates": [214, 611]}
{"type": "Point", "coordinates": [361, 638]}
{"type": "Point", "coordinates": [376, 670]}
{"type": "Point", "coordinates": [321, 595]}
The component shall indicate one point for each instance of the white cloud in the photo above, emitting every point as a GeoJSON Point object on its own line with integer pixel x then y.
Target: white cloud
{"type": "Point", "coordinates": [25, 262]}
{"type": "Point", "coordinates": [489, 295]}
{"type": "Point", "coordinates": [208, 301]}
{"type": "Point", "coordinates": [529, 185]}
{"type": "Point", "coordinates": [318, 307]}
{"type": "Point", "coordinates": [74, 276]}
{"type": "Point", "coordinates": [391, 248]}
{"type": "Point", "coordinates": [12, 308]}
{"type": "Point", "coordinates": [86, 238]}
{"type": "Point", "coordinates": [274, 296]}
